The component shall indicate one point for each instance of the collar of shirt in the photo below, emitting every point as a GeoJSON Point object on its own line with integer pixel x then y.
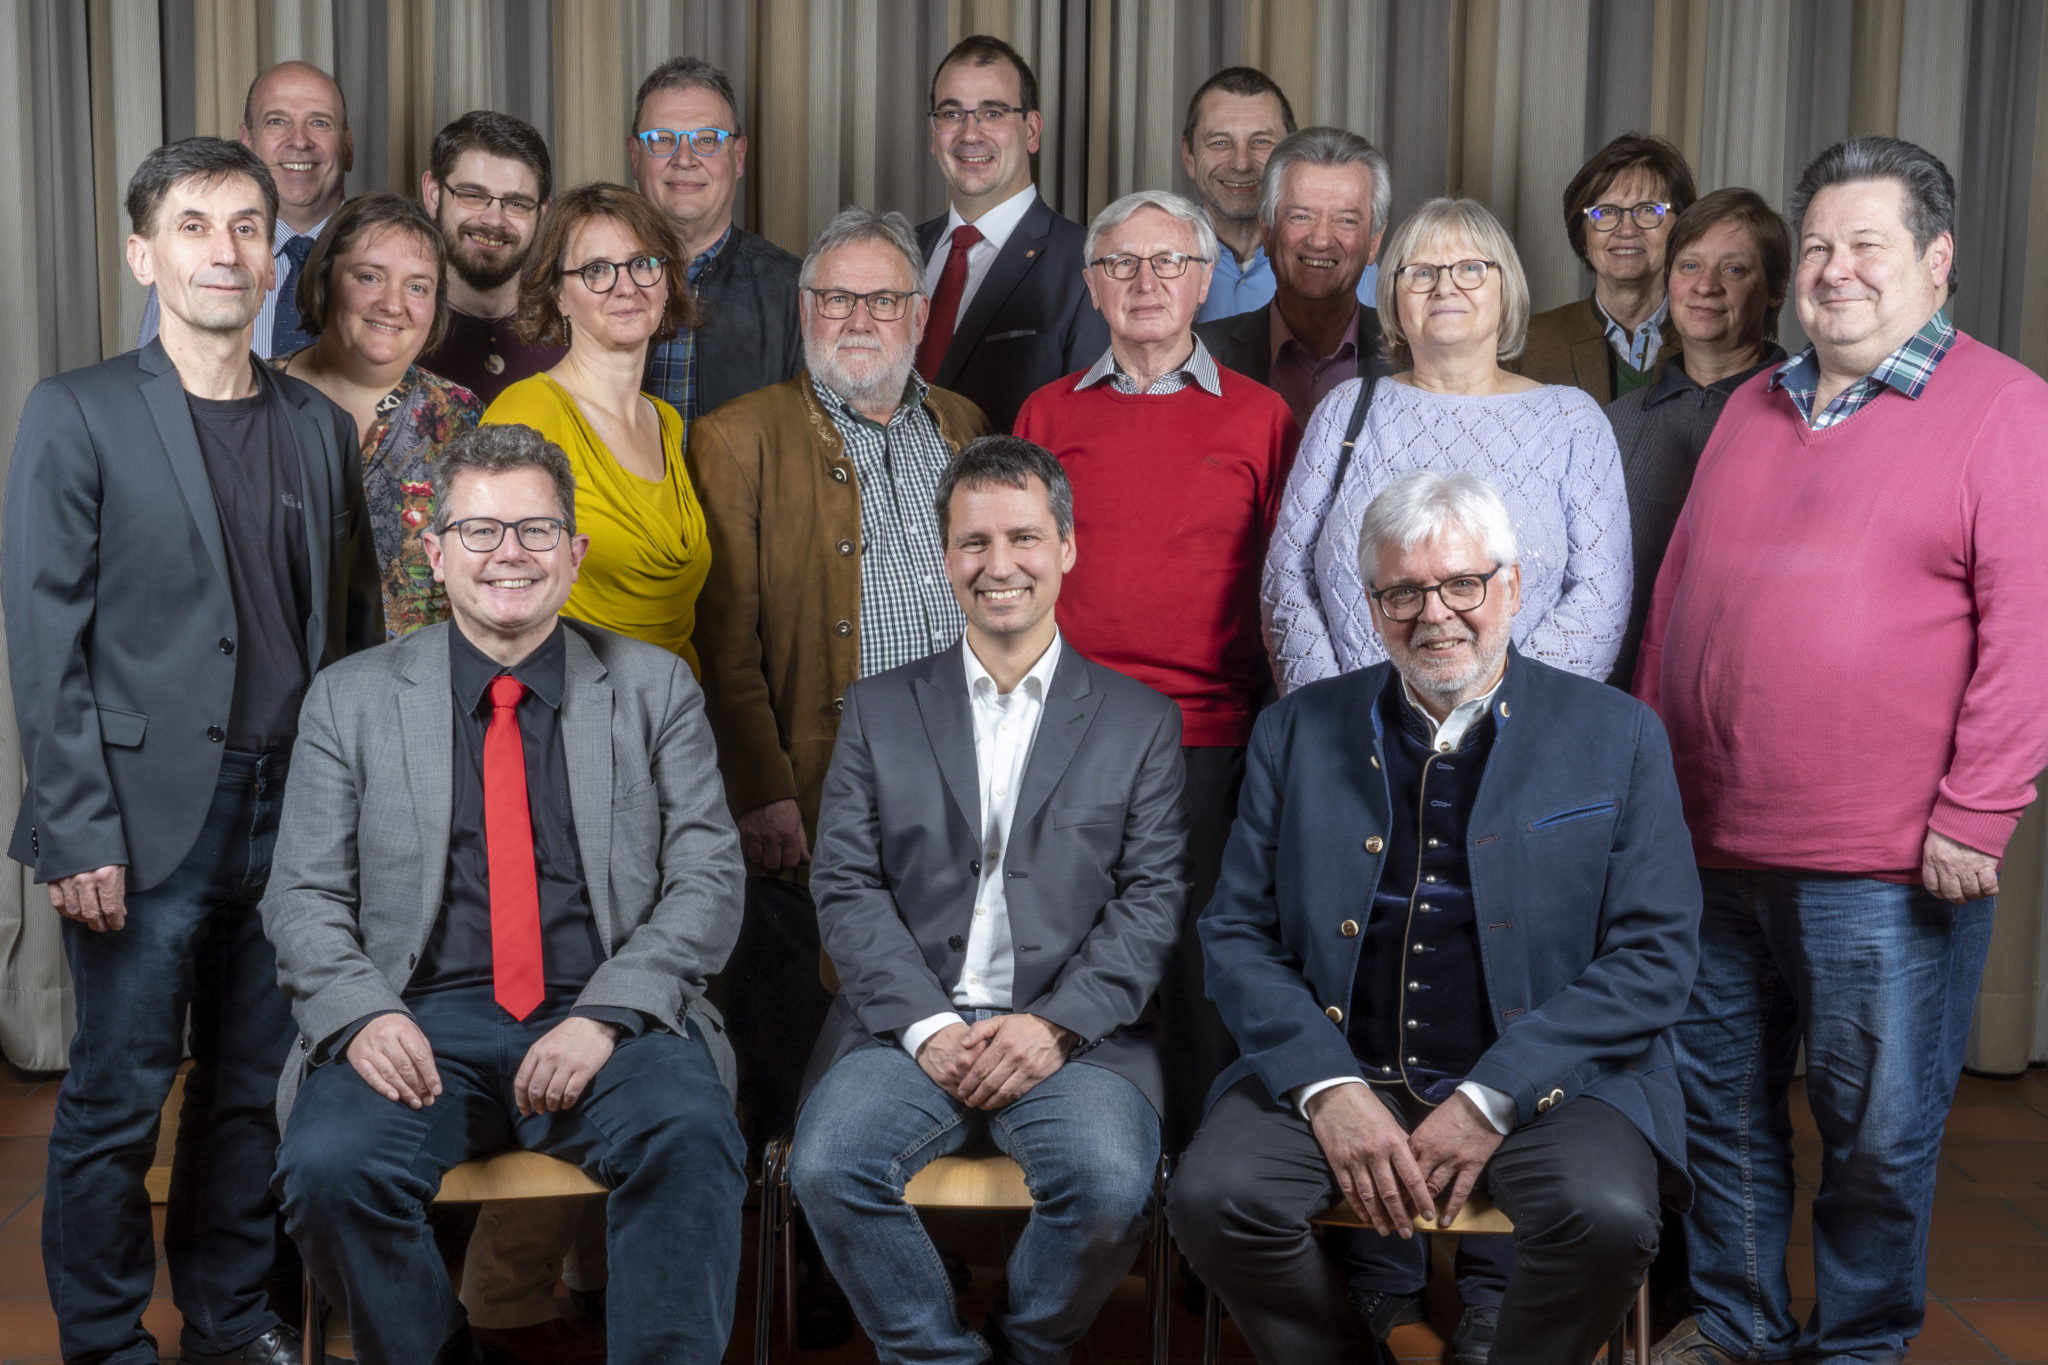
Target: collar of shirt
{"type": "Point", "coordinates": [470, 670]}
{"type": "Point", "coordinates": [1283, 337]}
{"type": "Point", "coordinates": [1200, 367]}
{"type": "Point", "coordinates": [1229, 272]}
{"type": "Point", "coordinates": [981, 683]}
{"type": "Point", "coordinates": [1639, 348]}
{"type": "Point", "coordinates": [282, 232]}
{"type": "Point", "coordinates": [703, 259]}
{"type": "Point", "coordinates": [1906, 370]}
{"type": "Point", "coordinates": [998, 223]}
{"type": "Point", "coordinates": [841, 411]}
{"type": "Point", "coordinates": [1672, 380]}
{"type": "Point", "coordinates": [1448, 733]}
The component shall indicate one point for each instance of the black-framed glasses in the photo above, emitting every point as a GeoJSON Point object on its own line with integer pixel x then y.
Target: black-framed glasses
{"type": "Point", "coordinates": [473, 198]}
{"type": "Point", "coordinates": [1419, 277]}
{"type": "Point", "coordinates": [883, 305]}
{"type": "Point", "coordinates": [601, 277]}
{"type": "Point", "coordinates": [666, 142]}
{"type": "Point", "coordinates": [1405, 601]}
{"type": "Point", "coordinates": [1607, 217]}
{"type": "Point", "coordinates": [1167, 265]}
{"type": "Point", "coordinates": [481, 535]}
{"type": "Point", "coordinates": [987, 115]}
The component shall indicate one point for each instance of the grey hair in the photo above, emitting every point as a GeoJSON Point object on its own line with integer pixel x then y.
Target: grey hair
{"type": "Point", "coordinates": [851, 227]}
{"type": "Point", "coordinates": [1172, 205]}
{"type": "Point", "coordinates": [495, 449]}
{"type": "Point", "coordinates": [1424, 504]}
{"type": "Point", "coordinates": [1325, 146]}
{"type": "Point", "coordinates": [1930, 189]}
{"type": "Point", "coordinates": [1012, 462]}
{"type": "Point", "coordinates": [686, 73]}
{"type": "Point", "coordinates": [1443, 217]}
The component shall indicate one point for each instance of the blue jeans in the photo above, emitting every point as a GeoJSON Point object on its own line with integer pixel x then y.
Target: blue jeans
{"type": "Point", "coordinates": [1879, 979]}
{"type": "Point", "coordinates": [1088, 1142]}
{"type": "Point", "coordinates": [356, 1172]}
{"type": "Point", "coordinates": [192, 940]}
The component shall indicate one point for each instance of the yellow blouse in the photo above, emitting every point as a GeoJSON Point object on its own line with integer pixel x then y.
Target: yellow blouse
{"type": "Point", "coordinates": [649, 553]}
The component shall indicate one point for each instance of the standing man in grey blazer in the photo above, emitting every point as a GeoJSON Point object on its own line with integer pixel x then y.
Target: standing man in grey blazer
{"type": "Point", "coordinates": [184, 546]}
{"type": "Point", "coordinates": [1001, 876]}
{"type": "Point", "coordinates": [503, 874]}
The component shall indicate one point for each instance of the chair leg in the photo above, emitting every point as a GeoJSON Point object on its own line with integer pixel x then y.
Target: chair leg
{"type": "Point", "coordinates": [764, 1255]}
{"type": "Point", "coordinates": [785, 1239]}
{"type": "Point", "coordinates": [313, 1348]}
{"type": "Point", "coordinates": [1212, 1326]}
{"type": "Point", "coordinates": [1158, 1287]}
{"type": "Point", "coordinates": [1642, 1332]}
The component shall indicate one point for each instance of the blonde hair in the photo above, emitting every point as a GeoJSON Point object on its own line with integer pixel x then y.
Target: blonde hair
{"type": "Point", "coordinates": [1434, 220]}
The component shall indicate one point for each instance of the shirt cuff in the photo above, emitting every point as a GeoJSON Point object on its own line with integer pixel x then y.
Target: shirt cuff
{"type": "Point", "coordinates": [629, 1022]}
{"type": "Point", "coordinates": [1498, 1109]}
{"type": "Point", "coordinates": [920, 1033]}
{"type": "Point", "coordinates": [1303, 1094]}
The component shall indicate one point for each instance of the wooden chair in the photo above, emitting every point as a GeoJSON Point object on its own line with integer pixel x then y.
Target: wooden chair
{"type": "Point", "coordinates": [1479, 1218]}
{"type": "Point", "coordinates": [989, 1183]}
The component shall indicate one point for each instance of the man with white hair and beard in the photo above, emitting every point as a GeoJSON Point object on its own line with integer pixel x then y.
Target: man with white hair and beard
{"type": "Point", "coordinates": [1525, 939]}
{"type": "Point", "coordinates": [825, 568]}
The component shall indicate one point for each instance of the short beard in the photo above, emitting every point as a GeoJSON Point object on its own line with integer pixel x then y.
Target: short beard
{"type": "Point", "coordinates": [1450, 688]}
{"type": "Point", "coordinates": [885, 389]}
{"type": "Point", "coordinates": [484, 279]}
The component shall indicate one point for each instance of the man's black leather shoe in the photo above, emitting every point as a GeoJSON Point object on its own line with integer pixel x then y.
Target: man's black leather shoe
{"type": "Point", "coordinates": [1384, 1310]}
{"type": "Point", "coordinates": [1472, 1338]}
{"type": "Point", "coordinates": [279, 1346]}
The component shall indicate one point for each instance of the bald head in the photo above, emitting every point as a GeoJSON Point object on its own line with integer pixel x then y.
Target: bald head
{"type": "Point", "coordinates": [296, 120]}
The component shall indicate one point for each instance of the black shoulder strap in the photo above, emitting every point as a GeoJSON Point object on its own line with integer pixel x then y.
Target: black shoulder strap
{"type": "Point", "coordinates": [1358, 411]}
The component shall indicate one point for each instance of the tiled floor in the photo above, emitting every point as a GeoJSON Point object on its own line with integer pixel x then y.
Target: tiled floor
{"type": "Point", "coordinates": [1987, 1269]}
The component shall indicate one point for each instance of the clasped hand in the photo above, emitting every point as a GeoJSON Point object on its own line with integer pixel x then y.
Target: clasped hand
{"type": "Point", "coordinates": [393, 1058]}
{"type": "Point", "coordinates": [1391, 1176]}
{"type": "Point", "coordinates": [995, 1062]}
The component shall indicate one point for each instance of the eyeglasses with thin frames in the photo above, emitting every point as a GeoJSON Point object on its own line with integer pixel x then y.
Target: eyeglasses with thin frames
{"type": "Point", "coordinates": [1167, 265]}
{"type": "Point", "coordinates": [666, 142]}
{"type": "Point", "coordinates": [601, 277]}
{"type": "Point", "coordinates": [987, 115]}
{"type": "Point", "coordinates": [1405, 601]}
{"type": "Point", "coordinates": [481, 535]}
{"type": "Point", "coordinates": [883, 305]}
{"type": "Point", "coordinates": [474, 199]}
{"type": "Point", "coordinates": [1419, 277]}
{"type": "Point", "coordinates": [1607, 217]}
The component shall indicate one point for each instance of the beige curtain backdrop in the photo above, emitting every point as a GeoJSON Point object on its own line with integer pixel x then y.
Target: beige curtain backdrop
{"type": "Point", "coordinates": [1498, 99]}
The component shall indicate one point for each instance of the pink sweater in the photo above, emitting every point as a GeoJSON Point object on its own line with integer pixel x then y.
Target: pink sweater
{"type": "Point", "coordinates": [1849, 638]}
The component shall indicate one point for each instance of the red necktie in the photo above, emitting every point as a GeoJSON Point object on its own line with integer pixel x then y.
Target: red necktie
{"type": "Point", "coordinates": [508, 835]}
{"type": "Point", "coordinates": [938, 328]}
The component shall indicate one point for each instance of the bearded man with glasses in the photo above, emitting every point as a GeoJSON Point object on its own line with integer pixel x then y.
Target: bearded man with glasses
{"type": "Point", "coordinates": [1457, 919]}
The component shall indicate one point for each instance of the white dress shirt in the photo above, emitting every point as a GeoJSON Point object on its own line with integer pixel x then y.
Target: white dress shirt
{"type": "Point", "coordinates": [1445, 735]}
{"type": "Point", "coordinates": [1005, 724]}
{"type": "Point", "coordinates": [995, 226]}
{"type": "Point", "coordinates": [281, 233]}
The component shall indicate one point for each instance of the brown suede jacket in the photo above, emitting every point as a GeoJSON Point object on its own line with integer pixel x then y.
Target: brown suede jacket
{"type": "Point", "coordinates": [1568, 345]}
{"type": "Point", "coordinates": [778, 621]}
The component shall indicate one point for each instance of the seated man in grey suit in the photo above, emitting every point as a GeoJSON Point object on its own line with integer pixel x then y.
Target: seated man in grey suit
{"type": "Point", "coordinates": [1001, 875]}
{"type": "Point", "coordinates": [503, 872]}
{"type": "Point", "coordinates": [1323, 202]}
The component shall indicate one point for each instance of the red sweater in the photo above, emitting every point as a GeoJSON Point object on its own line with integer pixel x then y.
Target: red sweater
{"type": "Point", "coordinates": [1849, 637]}
{"type": "Point", "coordinates": [1174, 499]}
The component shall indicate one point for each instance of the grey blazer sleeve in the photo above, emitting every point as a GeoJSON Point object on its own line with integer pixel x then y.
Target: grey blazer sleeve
{"type": "Point", "coordinates": [1106, 984]}
{"type": "Point", "coordinates": [882, 971]}
{"type": "Point", "coordinates": [49, 583]}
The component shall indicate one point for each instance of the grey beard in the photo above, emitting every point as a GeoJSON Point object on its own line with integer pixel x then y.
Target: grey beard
{"type": "Point", "coordinates": [884, 390]}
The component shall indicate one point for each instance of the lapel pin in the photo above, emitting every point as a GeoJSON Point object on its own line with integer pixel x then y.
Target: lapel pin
{"type": "Point", "coordinates": [1029, 254]}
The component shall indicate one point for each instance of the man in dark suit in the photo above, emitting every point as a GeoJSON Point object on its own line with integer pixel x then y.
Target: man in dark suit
{"type": "Point", "coordinates": [1323, 204]}
{"type": "Point", "coordinates": [185, 545]}
{"type": "Point", "coordinates": [1009, 309]}
{"type": "Point", "coordinates": [1001, 876]}
{"type": "Point", "coordinates": [1430, 994]}
{"type": "Point", "coordinates": [503, 874]}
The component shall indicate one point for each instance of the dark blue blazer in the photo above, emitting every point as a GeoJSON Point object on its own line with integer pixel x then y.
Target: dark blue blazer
{"type": "Point", "coordinates": [1583, 882]}
{"type": "Point", "coordinates": [1030, 322]}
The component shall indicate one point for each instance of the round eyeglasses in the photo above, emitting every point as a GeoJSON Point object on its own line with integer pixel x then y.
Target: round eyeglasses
{"type": "Point", "coordinates": [1405, 601]}
{"type": "Point", "coordinates": [1607, 217]}
{"type": "Point", "coordinates": [601, 277]}
{"type": "Point", "coordinates": [1420, 277]}
{"type": "Point", "coordinates": [481, 535]}
{"type": "Point", "coordinates": [1167, 265]}
{"type": "Point", "coordinates": [884, 305]}
{"type": "Point", "coordinates": [666, 142]}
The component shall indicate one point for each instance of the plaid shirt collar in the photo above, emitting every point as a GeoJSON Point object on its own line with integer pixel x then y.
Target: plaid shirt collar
{"type": "Point", "coordinates": [1906, 371]}
{"type": "Point", "coordinates": [1199, 367]}
{"type": "Point", "coordinates": [704, 258]}
{"type": "Point", "coordinates": [842, 412]}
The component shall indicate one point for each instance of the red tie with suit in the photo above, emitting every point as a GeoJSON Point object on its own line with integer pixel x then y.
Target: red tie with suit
{"type": "Point", "coordinates": [508, 836]}
{"type": "Point", "coordinates": [938, 328]}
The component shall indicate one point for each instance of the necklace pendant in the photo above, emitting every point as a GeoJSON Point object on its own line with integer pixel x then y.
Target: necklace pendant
{"type": "Point", "coordinates": [494, 364]}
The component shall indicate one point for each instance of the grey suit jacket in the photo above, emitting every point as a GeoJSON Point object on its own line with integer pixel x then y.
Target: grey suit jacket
{"type": "Point", "coordinates": [1097, 874]}
{"type": "Point", "coordinates": [120, 625]}
{"type": "Point", "coordinates": [362, 847]}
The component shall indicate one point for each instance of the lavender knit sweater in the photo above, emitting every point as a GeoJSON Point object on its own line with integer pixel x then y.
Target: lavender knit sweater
{"type": "Point", "coordinates": [1549, 451]}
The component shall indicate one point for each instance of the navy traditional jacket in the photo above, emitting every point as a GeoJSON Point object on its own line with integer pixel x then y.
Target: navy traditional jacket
{"type": "Point", "coordinates": [1587, 898]}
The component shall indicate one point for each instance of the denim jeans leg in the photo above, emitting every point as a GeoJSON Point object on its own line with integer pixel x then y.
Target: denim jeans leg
{"type": "Point", "coordinates": [874, 1121]}
{"type": "Point", "coordinates": [1735, 1045]}
{"type": "Point", "coordinates": [1088, 1143]}
{"type": "Point", "coordinates": [1886, 975]}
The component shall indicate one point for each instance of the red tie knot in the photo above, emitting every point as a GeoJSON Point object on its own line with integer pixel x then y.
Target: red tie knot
{"type": "Point", "coordinates": [506, 692]}
{"type": "Point", "coordinates": [965, 236]}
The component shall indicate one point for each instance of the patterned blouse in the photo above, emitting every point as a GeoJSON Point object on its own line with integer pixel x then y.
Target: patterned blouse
{"type": "Point", "coordinates": [413, 421]}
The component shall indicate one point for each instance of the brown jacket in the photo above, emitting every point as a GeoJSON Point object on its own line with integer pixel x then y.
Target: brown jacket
{"type": "Point", "coordinates": [1568, 345]}
{"type": "Point", "coordinates": [778, 622]}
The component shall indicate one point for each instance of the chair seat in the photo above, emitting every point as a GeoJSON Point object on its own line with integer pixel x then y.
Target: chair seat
{"type": "Point", "coordinates": [969, 1182]}
{"type": "Point", "coordinates": [1478, 1217]}
{"type": "Point", "coordinates": [514, 1175]}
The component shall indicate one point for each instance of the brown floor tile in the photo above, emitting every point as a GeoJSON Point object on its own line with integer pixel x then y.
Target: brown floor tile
{"type": "Point", "coordinates": [1983, 1222]}
{"type": "Point", "coordinates": [163, 1321]}
{"type": "Point", "coordinates": [1415, 1341]}
{"type": "Point", "coordinates": [1952, 1182]}
{"type": "Point", "coordinates": [2018, 1329]}
{"type": "Point", "coordinates": [1802, 1219]}
{"type": "Point", "coordinates": [1806, 1161]}
{"type": "Point", "coordinates": [1996, 1123]}
{"type": "Point", "coordinates": [21, 1269]}
{"type": "Point", "coordinates": [29, 1116]}
{"type": "Point", "coordinates": [25, 1157]}
{"type": "Point", "coordinates": [25, 1224]}
{"type": "Point", "coordinates": [28, 1326]}
{"type": "Point", "coordinates": [1947, 1337]}
{"type": "Point", "coordinates": [2035, 1209]}
{"type": "Point", "coordinates": [1803, 1127]}
{"type": "Point", "coordinates": [1993, 1090]}
{"type": "Point", "coordinates": [1956, 1272]}
{"type": "Point", "coordinates": [1995, 1161]}
{"type": "Point", "coordinates": [1799, 1271]}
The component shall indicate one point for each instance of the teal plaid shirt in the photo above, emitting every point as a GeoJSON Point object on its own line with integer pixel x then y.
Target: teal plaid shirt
{"type": "Point", "coordinates": [1906, 370]}
{"type": "Point", "coordinates": [672, 369]}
